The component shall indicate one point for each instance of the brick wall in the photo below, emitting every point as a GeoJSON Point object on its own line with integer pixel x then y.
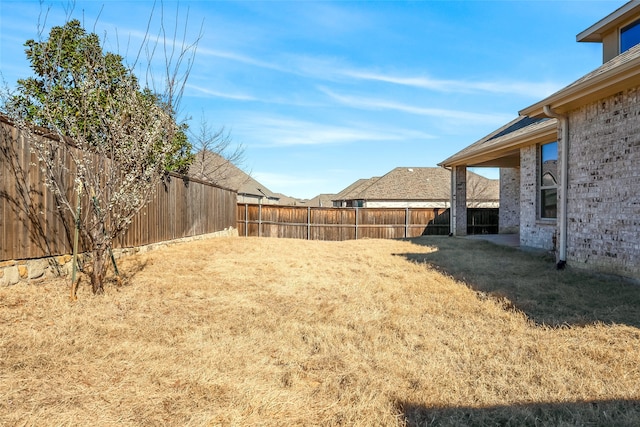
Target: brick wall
{"type": "Point", "coordinates": [533, 232]}
{"type": "Point", "coordinates": [603, 212]}
{"type": "Point", "coordinates": [509, 221]}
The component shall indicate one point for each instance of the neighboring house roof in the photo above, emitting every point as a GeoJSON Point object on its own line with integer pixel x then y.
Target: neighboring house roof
{"type": "Point", "coordinates": [410, 184]}
{"type": "Point", "coordinates": [354, 189]}
{"type": "Point", "coordinates": [321, 200]}
{"type": "Point", "coordinates": [420, 183]}
{"type": "Point", "coordinates": [214, 168]}
{"type": "Point", "coordinates": [286, 200]}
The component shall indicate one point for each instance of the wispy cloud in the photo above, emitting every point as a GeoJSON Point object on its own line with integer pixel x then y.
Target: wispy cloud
{"type": "Point", "coordinates": [332, 68]}
{"type": "Point", "coordinates": [287, 132]}
{"type": "Point", "coordinates": [528, 89]}
{"type": "Point", "coordinates": [245, 59]}
{"type": "Point", "coordinates": [379, 104]}
{"type": "Point", "coordinates": [218, 94]}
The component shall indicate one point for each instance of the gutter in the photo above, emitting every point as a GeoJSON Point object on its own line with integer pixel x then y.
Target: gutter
{"type": "Point", "coordinates": [564, 162]}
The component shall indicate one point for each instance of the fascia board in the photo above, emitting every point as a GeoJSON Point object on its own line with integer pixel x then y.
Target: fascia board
{"type": "Point", "coordinates": [595, 32]}
{"type": "Point", "coordinates": [504, 145]}
{"type": "Point", "coordinates": [605, 84]}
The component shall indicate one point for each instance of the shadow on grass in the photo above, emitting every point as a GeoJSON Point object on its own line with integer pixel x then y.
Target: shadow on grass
{"type": "Point", "coordinates": [529, 282]}
{"type": "Point", "coordinates": [595, 413]}
{"type": "Point", "coordinates": [129, 270]}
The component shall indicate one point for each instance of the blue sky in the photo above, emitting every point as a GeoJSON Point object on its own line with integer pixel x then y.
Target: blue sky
{"type": "Point", "coordinates": [324, 93]}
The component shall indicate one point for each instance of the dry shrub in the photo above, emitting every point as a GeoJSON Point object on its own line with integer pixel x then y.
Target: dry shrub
{"type": "Point", "coordinates": [248, 331]}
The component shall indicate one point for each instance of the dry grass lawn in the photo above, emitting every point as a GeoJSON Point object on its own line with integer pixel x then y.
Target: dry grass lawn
{"type": "Point", "coordinates": [272, 332]}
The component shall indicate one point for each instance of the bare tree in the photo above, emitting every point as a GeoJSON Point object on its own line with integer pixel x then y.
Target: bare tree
{"type": "Point", "coordinates": [112, 139]}
{"type": "Point", "coordinates": [481, 190]}
{"type": "Point", "coordinates": [217, 157]}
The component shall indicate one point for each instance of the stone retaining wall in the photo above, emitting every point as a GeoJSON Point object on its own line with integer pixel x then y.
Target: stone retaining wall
{"type": "Point", "coordinates": [38, 270]}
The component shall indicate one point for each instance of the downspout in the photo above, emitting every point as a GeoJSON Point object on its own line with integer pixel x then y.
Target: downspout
{"type": "Point", "coordinates": [564, 162]}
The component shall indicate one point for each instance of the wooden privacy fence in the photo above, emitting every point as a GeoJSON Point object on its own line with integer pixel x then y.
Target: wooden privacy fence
{"type": "Point", "coordinates": [32, 226]}
{"type": "Point", "coordinates": [316, 223]}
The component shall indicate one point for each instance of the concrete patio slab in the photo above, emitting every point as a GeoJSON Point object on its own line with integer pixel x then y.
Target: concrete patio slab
{"type": "Point", "coordinates": [512, 240]}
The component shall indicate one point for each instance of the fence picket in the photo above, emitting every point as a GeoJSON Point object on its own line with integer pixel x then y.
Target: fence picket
{"type": "Point", "coordinates": [32, 226]}
{"type": "Point", "coordinates": [355, 223]}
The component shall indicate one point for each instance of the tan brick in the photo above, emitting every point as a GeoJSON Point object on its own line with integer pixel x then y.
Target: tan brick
{"type": "Point", "coordinates": [11, 275]}
{"type": "Point", "coordinates": [37, 268]}
{"type": "Point", "coordinates": [63, 259]}
{"type": "Point", "coordinates": [23, 271]}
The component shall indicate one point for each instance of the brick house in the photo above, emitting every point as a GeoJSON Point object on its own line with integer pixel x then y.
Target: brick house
{"type": "Point", "coordinates": [570, 164]}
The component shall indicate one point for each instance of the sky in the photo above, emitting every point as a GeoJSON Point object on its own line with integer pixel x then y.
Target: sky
{"type": "Point", "coordinates": [321, 94]}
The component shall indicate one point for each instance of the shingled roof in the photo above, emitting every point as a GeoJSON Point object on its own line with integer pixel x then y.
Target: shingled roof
{"type": "Point", "coordinates": [321, 200]}
{"type": "Point", "coordinates": [611, 77]}
{"type": "Point", "coordinates": [354, 189]}
{"type": "Point", "coordinates": [213, 168]}
{"type": "Point", "coordinates": [501, 147]}
{"type": "Point", "coordinates": [416, 183]}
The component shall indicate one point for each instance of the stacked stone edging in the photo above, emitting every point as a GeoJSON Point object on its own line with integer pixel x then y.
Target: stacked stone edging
{"type": "Point", "coordinates": [41, 269]}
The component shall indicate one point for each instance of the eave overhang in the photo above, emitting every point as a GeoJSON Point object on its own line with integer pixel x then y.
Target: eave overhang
{"type": "Point", "coordinates": [614, 76]}
{"type": "Point", "coordinates": [596, 32]}
{"type": "Point", "coordinates": [504, 151]}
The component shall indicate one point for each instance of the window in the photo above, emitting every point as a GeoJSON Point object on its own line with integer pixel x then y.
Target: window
{"type": "Point", "coordinates": [629, 36]}
{"type": "Point", "coordinates": [548, 180]}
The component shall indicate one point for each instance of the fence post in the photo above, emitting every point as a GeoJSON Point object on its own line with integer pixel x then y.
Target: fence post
{"type": "Point", "coordinates": [308, 222]}
{"type": "Point", "coordinates": [356, 223]}
{"type": "Point", "coordinates": [260, 220]}
{"type": "Point", "coordinates": [246, 219]}
{"type": "Point", "coordinates": [406, 222]}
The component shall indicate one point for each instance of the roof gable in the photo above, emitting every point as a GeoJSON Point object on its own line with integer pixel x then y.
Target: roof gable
{"type": "Point", "coordinates": [212, 167]}
{"type": "Point", "coordinates": [404, 183]}
{"type": "Point", "coordinates": [353, 190]}
{"type": "Point", "coordinates": [419, 184]}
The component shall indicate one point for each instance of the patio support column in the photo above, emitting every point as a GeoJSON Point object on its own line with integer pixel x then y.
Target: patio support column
{"type": "Point", "coordinates": [459, 200]}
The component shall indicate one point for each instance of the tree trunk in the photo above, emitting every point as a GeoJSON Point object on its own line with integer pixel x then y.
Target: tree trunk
{"type": "Point", "coordinates": [99, 270]}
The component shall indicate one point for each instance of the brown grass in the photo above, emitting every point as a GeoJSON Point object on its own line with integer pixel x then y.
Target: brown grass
{"type": "Point", "coordinates": [248, 331]}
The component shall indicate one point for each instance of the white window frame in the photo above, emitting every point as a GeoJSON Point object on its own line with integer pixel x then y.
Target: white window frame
{"type": "Point", "coordinates": [543, 188]}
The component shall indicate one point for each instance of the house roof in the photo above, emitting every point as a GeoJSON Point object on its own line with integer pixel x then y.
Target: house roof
{"type": "Point", "coordinates": [610, 78]}
{"type": "Point", "coordinates": [405, 183]}
{"type": "Point", "coordinates": [321, 200]}
{"type": "Point", "coordinates": [212, 167]}
{"type": "Point", "coordinates": [619, 17]}
{"type": "Point", "coordinates": [287, 200]}
{"type": "Point", "coordinates": [354, 189]}
{"type": "Point", "coordinates": [418, 183]}
{"type": "Point", "coordinates": [501, 148]}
